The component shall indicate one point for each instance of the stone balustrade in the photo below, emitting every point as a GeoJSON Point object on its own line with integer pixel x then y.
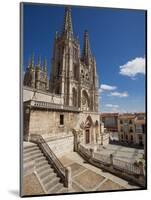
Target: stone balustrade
{"type": "Point", "coordinates": [52, 106]}
{"type": "Point", "coordinates": [123, 169]}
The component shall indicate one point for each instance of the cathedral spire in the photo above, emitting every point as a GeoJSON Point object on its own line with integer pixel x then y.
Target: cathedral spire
{"type": "Point", "coordinates": [39, 62]}
{"type": "Point", "coordinates": [31, 62]}
{"type": "Point", "coordinates": [45, 65]}
{"type": "Point", "coordinates": [86, 48]}
{"type": "Point", "coordinates": [67, 28]}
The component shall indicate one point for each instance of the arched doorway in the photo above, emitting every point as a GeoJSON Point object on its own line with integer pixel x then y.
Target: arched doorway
{"type": "Point", "coordinates": [88, 129]}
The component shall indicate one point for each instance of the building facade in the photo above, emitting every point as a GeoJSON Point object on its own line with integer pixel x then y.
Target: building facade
{"type": "Point", "coordinates": [110, 121]}
{"type": "Point", "coordinates": [63, 109]}
{"type": "Point", "coordinates": [131, 129]}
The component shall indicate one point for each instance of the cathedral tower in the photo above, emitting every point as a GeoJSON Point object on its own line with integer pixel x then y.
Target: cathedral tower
{"type": "Point", "coordinates": [74, 76]}
{"type": "Point", "coordinates": [64, 77]}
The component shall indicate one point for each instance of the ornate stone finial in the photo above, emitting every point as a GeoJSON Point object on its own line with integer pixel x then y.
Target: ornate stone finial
{"type": "Point", "coordinates": [67, 28]}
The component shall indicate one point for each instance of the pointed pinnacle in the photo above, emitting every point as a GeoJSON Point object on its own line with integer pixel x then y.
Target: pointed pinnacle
{"type": "Point", "coordinates": [67, 29]}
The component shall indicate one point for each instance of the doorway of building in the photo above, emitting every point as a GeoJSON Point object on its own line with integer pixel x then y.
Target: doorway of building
{"type": "Point", "coordinates": [87, 136]}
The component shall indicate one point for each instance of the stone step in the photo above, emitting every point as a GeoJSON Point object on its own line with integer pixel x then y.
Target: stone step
{"type": "Point", "coordinates": [43, 168]}
{"type": "Point", "coordinates": [33, 157]}
{"type": "Point", "coordinates": [48, 178]}
{"type": "Point", "coordinates": [26, 155]}
{"type": "Point", "coordinates": [53, 181]}
{"type": "Point", "coordinates": [28, 168]}
{"type": "Point", "coordinates": [40, 160]}
{"type": "Point", "coordinates": [55, 188]}
{"type": "Point", "coordinates": [31, 149]}
{"type": "Point", "coordinates": [45, 173]}
{"type": "Point", "coordinates": [29, 146]}
{"type": "Point", "coordinates": [41, 163]}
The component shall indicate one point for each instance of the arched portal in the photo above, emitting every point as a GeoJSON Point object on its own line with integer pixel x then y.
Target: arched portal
{"type": "Point", "coordinates": [88, 129]}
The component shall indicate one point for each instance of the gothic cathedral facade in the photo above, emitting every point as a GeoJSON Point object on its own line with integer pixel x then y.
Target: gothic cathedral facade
{"type": "Point", "coordinates": [64, 107]}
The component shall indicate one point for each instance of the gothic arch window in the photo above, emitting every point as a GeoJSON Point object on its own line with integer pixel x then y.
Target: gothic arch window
{"type": "Point", "coordinates": [96, 123]}
{"type": "Point", "coordinates": [89, 122]}
{"type": "Point", "coordinates": [74, 97]}
{"type": "Point", "coordinates": [59, 69]}
{"type": "Point", "coordinates": [122, 137]}
{"type": "Point", "coordinates": [85, 100]}
{"type": "Point", "coordinates": [57, 89]}
{"type": "Point", "coordinates": [75, 71]}
{"type": "Point", "coordinates": [126, 138]}
{"type": "Point", "coordinates": [131, 138]}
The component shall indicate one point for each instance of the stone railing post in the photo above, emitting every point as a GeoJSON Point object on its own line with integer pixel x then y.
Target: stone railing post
{"type": "Point", "coordinates": [111, 159]}
{"type": "Point", "coordinates": [78, 144]}
{"type": "Point", "coordinates": [68, 180]}
{"type": "Point", "coordinates": [141, 167]}
{"type": "Point", "coordinates": [92, 153]}
{"type": "Point", "coordinates": [142, 174]}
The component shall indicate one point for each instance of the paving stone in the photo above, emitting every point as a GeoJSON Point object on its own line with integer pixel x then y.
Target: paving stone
{"type": "Point", "coordinates": [89, 179]}
{"type": "Point", "coordinates": [76, 169]}
{"type": "Point", "coordinates": [76, 187]}
{"type": "Point", "coordinates": [31, 185]}
{"type": "Point", "coordinates": [110, 185]}
{"type": "Point", "coordinates": [65, 160]}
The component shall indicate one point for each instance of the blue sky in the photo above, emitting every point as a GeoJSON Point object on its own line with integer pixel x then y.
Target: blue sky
{"type": "Point", "coordinates": [117, 39]}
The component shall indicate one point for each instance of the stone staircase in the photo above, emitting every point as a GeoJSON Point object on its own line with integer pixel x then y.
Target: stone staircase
{"type": "Point", "coordinates": [35, 161]}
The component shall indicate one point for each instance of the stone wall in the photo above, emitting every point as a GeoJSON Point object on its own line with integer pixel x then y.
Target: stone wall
{"type": "Point", "coordinates": [62, 145]}
{"type": "Point", "coordinates": [48, 122]}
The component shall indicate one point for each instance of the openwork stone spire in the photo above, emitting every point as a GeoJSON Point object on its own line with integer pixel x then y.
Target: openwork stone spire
{"type": "Point", "coordinates": [86, 55]}
{"type": "Point", "coordinates": [67, 28]}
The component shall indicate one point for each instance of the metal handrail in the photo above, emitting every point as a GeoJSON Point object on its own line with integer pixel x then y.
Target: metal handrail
{"type": "Point", "coordinates": [52, 158]}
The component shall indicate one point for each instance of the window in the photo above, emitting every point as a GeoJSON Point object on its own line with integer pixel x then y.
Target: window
{"type": "Point", "coordinates": [121, 122]}
{"type": "Point", "coordinates": [122, 137]}
{"type": "Point", "coordinates": [59, 70]}
{"type": "Point", "coordinates": [61, 119]}
{"type": "Point", "coordinates": [130, 121]}
{"type": "Point", "coordinates": [131, 130]}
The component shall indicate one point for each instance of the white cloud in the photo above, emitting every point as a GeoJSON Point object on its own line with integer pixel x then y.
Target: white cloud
{"type": "Point", "coordinates": [133, 67]}
{"type": "Point", "coordinates": [112, 106]}
{"type": "Point", "coordinates": [105, 87]}
{"type": "Point", "coordinates": [119, 94]}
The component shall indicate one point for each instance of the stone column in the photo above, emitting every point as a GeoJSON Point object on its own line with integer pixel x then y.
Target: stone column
{"type": "Point", "coordinates": [68, 179]}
